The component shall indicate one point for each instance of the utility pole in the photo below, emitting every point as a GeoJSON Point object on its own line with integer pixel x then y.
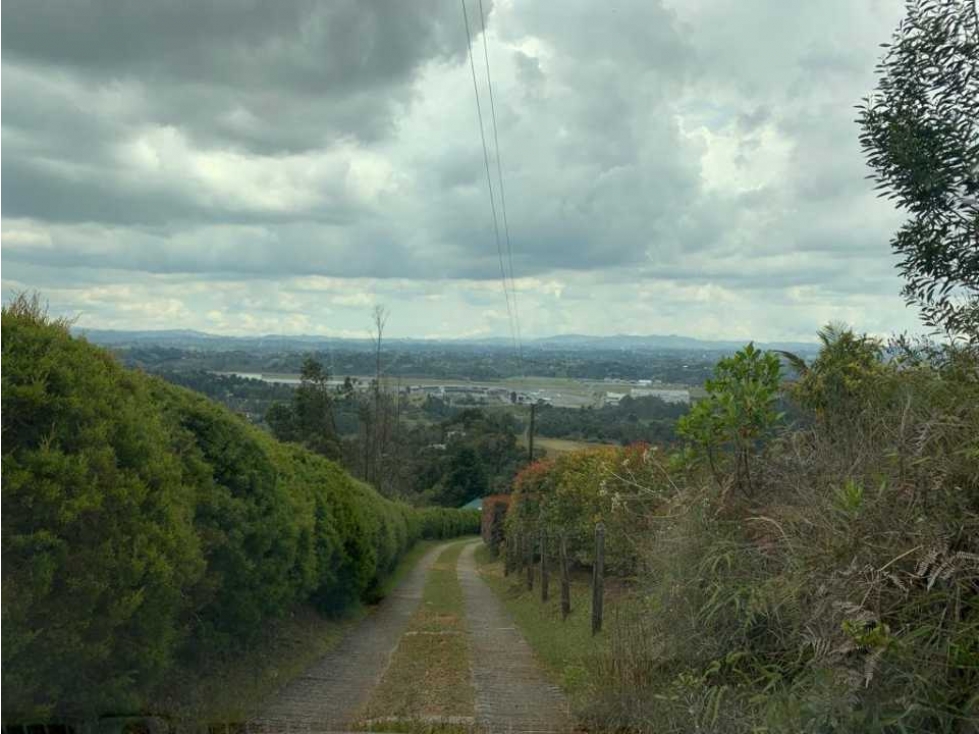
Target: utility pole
{"type": "Point", "coordinates": [530, 440]}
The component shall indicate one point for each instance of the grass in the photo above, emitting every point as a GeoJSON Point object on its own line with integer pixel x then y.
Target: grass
{"type": "Point", "coordinates": [564, 648]}
{"type": "Point", "coordinates": [232, 687]}
{"type": "Point", "coordinates": [428, 679]}
{"type": "Point", "coordinates": [564, 445]}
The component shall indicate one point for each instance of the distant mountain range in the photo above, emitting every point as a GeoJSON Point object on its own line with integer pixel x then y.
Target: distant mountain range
{"type": "Point", "coordinates": [656, 341]}
{"type": "Point", "coordinates": [191, 339]}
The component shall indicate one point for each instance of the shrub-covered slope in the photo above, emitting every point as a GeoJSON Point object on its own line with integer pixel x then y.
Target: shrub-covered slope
{"type": "Point", "coordinates": [816, 576]}
{"type": "Point", "coordinates": [142, 523]}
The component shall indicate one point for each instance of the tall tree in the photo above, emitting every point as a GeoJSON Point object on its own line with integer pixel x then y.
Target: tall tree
{"type": "Point", "coordinates": [465, 478]}
{"type": "Point", "coordinates": [309, 420]}
{"type": "Point", "coordinates": [920, 133]}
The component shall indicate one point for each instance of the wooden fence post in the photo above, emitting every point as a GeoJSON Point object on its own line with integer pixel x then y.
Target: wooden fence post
{"type": "Point", "coordinates": [565, 580]}
{"type": "Point", "coordinates": [544, 575]}
{"type": "Point", "coordinates": [530, 561]}
{"type": "Point", "coordinates": [598, 580]}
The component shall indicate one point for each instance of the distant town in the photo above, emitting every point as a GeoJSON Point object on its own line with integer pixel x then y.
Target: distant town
{"type": "Point", "coordinates": [574, 394]}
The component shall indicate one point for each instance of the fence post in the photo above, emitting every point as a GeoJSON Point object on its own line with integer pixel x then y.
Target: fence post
{"type": "Point", "coordinates": [565, 580]}
{"type": "Point", "coordinates": [530, 561]}
{"type": "Point", "coordinates": [544, 575]}
{"type": "Point", "coordinates": [598, 580]}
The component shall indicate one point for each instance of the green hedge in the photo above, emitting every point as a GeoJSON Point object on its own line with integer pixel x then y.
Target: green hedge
{"type": "Point", "coordinates": [143, 523]}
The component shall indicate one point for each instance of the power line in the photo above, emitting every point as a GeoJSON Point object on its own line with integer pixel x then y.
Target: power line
{"type": "Point", "coordinates": [489, 182]}
{"type": "Point", "coordinates": [499, 173]}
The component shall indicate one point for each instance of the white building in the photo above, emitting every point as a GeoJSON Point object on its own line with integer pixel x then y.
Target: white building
{"type": "Point", "coordinates": [614, 398]}
{"type": "Point", "coordinates": [669, 396]}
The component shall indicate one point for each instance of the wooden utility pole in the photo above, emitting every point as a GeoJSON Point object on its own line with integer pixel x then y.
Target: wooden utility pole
{"type": "Point", "coordinates": [565, 579]}
{"type": "Point", "coordinates": [544, 576]}
{"type": "Point", "coordinates": [598, 580]}
{"type": "Point", "coordinates": [530, 435]}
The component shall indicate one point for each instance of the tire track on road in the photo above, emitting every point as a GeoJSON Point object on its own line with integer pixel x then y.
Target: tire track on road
{"type": "Point", "coordinates": [512, 693]}
{"type": "Point", "coordinates": [330, 694]}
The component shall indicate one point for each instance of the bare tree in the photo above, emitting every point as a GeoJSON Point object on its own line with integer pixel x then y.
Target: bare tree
{"type": "Point", "coordinates": [378, 439]}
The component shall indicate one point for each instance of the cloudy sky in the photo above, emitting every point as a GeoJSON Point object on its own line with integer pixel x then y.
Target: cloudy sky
{"type": "Point", "coordinates": [242, 167]}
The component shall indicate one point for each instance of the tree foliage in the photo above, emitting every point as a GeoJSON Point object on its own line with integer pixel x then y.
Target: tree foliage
{"type": "Point", "coordinates": [739, 411]}
{"type": "Point", "coordinates": [920, 133]}
{"type": "Point", "coordinates": [648, 419]}
{"type": "Point", "coordinates": [309, 418]}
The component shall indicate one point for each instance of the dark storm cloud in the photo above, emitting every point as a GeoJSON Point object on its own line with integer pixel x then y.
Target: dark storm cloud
{"type": "Point", "coordinates": [266, 62]}
{"type": "Point", "coordinates": [262, 78]}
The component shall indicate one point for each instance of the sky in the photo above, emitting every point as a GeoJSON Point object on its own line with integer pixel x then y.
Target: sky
{"type": "Point", "coordinates": [247, 167]}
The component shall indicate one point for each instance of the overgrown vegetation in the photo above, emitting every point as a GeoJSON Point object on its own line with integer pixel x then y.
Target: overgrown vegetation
{"type": "Point", "coordinates": [840, 593]}
{"type": "Point", "coordinates": [144, 525]}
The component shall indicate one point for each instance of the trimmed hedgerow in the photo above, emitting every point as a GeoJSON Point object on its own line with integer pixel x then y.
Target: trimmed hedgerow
{"type": "Point", "coordinates": [143, 523]}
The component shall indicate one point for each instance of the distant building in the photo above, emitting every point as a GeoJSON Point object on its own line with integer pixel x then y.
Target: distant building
{"type": "Point", "coordinates": [669, 396]}
{"type": "Point", "coordinates": [614, 398]}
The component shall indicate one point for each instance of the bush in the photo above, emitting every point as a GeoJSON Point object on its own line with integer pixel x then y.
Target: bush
{"type": "Point", "coordinates": [142, 523]}
{"type": "Point", "coordinates": [838, 593]}
{"type": "Point", "coordinates": [842, 595]}
{"type": "Point", "coordinates": [569, 495]}
{"type": "Point", "coordinates": [98, 540]}
{"type": "Point", "coordinates": [738, 413]}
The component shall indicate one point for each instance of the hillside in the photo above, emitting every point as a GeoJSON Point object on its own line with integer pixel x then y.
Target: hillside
{"type": "Point", "coordinates": [145, 525]}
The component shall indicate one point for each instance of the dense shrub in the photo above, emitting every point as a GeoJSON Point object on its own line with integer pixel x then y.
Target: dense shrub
{"type": "Point", "coordinates": [440, 522]}
{"type": "Point", "coordinates": [142, 523]}
{"type": "Point", "coordinates": [840, 595]}
{"type": "Point", "coordinates": [569, 495]}
{"type": "Point", "coordinates": [98, 536]}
